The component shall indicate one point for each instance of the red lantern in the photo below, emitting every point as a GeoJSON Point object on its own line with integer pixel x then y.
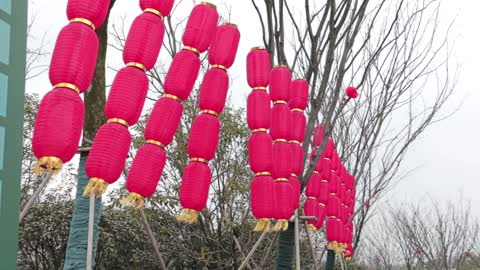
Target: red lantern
{"type": "Point", "coordinates": [313, 185]}
{"type": "Point", "coordinates": [258, 68]}
{"type": "Point", "coordinates": [298, 95]}
{"type": "Point", "coordinates": [261, 200]}
{"type": "Point", "coordinates": [204, 136]}
{"type": "Point", "coordinates": [224, 47]}
{"type": "Point", "coordinates": [283, 207]}
{"type": "Point", "coordinates": [164, 6]}
{"type": "Point", "coordinates": [298, 125]}
{"type": "Point", "coordinates": [296, 188]}
{"type": "Point", "coordinates": [280, 80]}
{"type": "Point", "coordinates": [216, 81]}
{"type": "Point", "coordinates": [260, 152]}
{"type": "Point", "coordinates": [182, 74]}
{"type": "Point", "coordinates": [310, 208]}
{"type": "Point", "coordinates": [57, 130]}
{"type": "Point", "coordinates": [280, 126]}
{"type": "Point", "coordinates": [164, 120]}
{"type": "Point", "coordinates": [258, 110]}
{"type": "Point", "coordinates": [200, 29]}
{"type": "Point", "coordinates": [281, 166]}
{"type": "Point", "coordinates": [90, 12]}
{"type": "Point", "coordinates": [321, 214]}
{"type": "Point", "coordinates": [297, 158]}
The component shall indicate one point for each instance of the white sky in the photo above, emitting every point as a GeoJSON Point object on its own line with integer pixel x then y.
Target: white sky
{"type": "Point", "coordinates": [447, 152]}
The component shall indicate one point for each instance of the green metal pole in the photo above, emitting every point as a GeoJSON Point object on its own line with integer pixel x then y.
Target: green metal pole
{"type": "Point", "coordinates": [13, 35]}
{"type": "Point", "coordinates": [330, 265]}
{"type": "Point", "coordinates": [286, 244]}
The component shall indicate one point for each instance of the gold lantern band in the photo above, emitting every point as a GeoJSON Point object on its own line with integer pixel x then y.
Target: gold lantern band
{"type": "Point", "coordinates": [197, 159]}
{"type": "Point", "coordinates": [173, 97]}
{"type": "Point", "coordinates": [157, 143]}
{"type": "Point", "coordinates": [280, 140]}
{"type": "Point", "coordinates": [48, 166]}
{"type": "Point", "coordinates": [280, 102]}
{"type": "Point", "coordinates": [259, 130]}
{"type": "Point", "coordinates": [294, 141]}
{"type": "Point", "coordinates": [294, 175]}
{"type": "Point", "coordinates": [280, 66]}
{"type": "Point", "coordinates": [208, 4]}
{"type": "Point", "coordinates": [67, 85]}
{"type": "Point", "coordinates": [333, 193]}
{"type": "Point", "coordinates": [189, 48]}
{"type": "Point", "coordinates": [84, 21]}
{"type": "Point", "coordinates": [118, 121]}
{"type": "Point", "coordinates": [321, 204]}
{"type": "Point", "coordinates": [281, 225]}
{"type": "Point", "coordinates": [311, 198]}
{"type": "Point", "coordinates": [324, 181]}
{"type": "Point", "coordinates": [281, 179]}
{"type": "Point", "coordinates": [137, 65]}
{"type": "Point", "coordinates": [133, 200]}
{"type": "Point", "coordinates": [257, 48]}
{"type": "Point", "coordinates": [219, 67]}
{"type": "Point", "coordinates": [326, 158]}
{"type": "Point", "coordinates": [315, 172]}
{"type": "Point", "coordinates": [262, 225]}
{"type": "Point", "coordinates": [262, 174]}
{"type": "Point", "coordinates": [230, 24]}
{"type": "Point", "coordinates": [297, 110]}
{"type": "Point", "coordinates": [189, 216]}
{"type": "Point", "coordinates": [96, 187]}
{"type": "Point", "coordinates": [214, 113]}
{"type": "Point", "coordinates": [154, 11]}
{"type": "Point", "coordinates": [261, 88]}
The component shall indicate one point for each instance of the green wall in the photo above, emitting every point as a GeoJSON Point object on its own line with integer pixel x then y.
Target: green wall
{"type": "Point", "coordinates": [13, 25]}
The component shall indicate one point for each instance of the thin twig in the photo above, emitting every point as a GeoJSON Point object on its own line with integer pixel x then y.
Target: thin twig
{"type": "Point", "coordinates": [152, 239]}
{"type": "Point", "coordinates": [34, 197]}
{"type": "Point", "coordinates": [91, 216]}
{"type": "Point", "coordinates": [239, 247]}
{"type": "Point", "coordinates": [269, 250]}
{"type": "Point", "coordinates": [250, 254]}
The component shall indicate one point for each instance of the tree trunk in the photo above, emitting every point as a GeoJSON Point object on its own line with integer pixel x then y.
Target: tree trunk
{"type": "Point", "coordinates": [95, 99]}
{"type": "Point", "coordinates": [286, 244]}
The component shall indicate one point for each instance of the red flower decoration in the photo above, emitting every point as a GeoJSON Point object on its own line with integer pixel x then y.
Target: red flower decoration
{"type": "Point", "coordinates": [352, 92]}
{"type": "Point", "coordinates": [418, 252]}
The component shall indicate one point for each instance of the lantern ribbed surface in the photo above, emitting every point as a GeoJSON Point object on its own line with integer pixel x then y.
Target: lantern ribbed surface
{"type": "Point", "coordinates": [321, 214]}
{"type": "Point", "coordinates": [75, 56]}
{"type": "Point", "coordinates": [283, 207]}
{"type": "Point", "coordinates": [317, 137]}
{"type": "Point", "coordinates": [334, 227]}
{"type": "Point", "coordinates": [261, 201]}
{"type": "Point", "coordinates": [280, 125]}
{"type": "Point", "coordinates": [109, 152]}
{"type": "Point", "coordinates": [280, 79]}
{"type": "Point", "coordinates": [323, 192]}
{"type": "Point", "coordinates": [298, 94]}
{"type": "Point", "coordinates": [258, 68]}
{"type": "Point", "coordinates": [144, 40]}
{"type": "Point", "coordinates": [164, 120]}
{"type": "Point", "coordinates": [281, 164]}
{"type": "Point", "coordinates": [310, 208]}
{"type": "Point", "coordinates": [296, 188]}
{"type": "Point", "coordinates": [312, 188]}
{"type": "Point", "coordinates": [260, 152]}
{"type": "Point", "coordinates": [298, 126]}
{"type": "Point", "coordinates": [258, 110]}
{"type": "Point", "coordinates": [182, 74]}
{"type": "Point", "coordinates": [57, 129]}
{"type": "Point", "coordinates": [92, 10]}
{"type": "Point", "coordinates": [204, 136]}
{"type": "Point", "coordinates": [200, 29]}
{"type": "Point", "coordinates": [194, 190]}
{"type": "Point", "coordinates": [127, 95]}
{"type": "Point", "coordinates": [146, 170]}
{"type": "Point", "coordinates": [297, 158]}
{"type": "Point", "coordinates": [333, 206]}
{"type": "Point", "coordinates": [164, 6]}
{"type": "Point", "coordinates": [224, 46]}
{"type": "Point", "coordinates": [213, 91]}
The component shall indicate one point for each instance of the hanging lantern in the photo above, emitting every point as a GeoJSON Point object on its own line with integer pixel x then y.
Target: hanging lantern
{"type": "Point", "coordinates": [260, 142]}
{"type": "Point", "coordinates": [334, 234]}
{"type": "Point", "coordinates": [205, 131]}
{"type": "Point", "coordinates": [321, 214]}
{"type": "Point", "coordinates": [182, 74]}
{"type": "Point", "coordinates": [164, 120]}
{"type": "Point", "coordinates": [57, 130]}
{"type": "Point", "coordinates": [194, 190]}
{"type": "Point", "coordinates": [163, 7]}
{"type": "Point", "coordinates": [90, 12]}
{"type": "Point", "coordinates": [310, 208]}
{"type": "Point", "coordinates": [201, 24]}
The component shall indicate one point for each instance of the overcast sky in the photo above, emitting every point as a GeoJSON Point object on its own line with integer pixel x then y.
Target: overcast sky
{"type": "Point", "coordinates": [446, 154]}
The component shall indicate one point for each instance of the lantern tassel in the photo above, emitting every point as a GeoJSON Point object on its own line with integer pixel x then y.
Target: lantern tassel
{"type": "Point", "coordinates": [280, 225]}
{"type": "Point", "coordinates": [133, 200]}
{"type": "Point", "coordinates": [335, 246]}
{"type": "Point", "coordinates": [311, 228]}
{"type": "Point", "coordinates": [48, 165]}
{"type": "Point", "coordinates": [262, 225]}
{"type": "Point", "coordinates": [189, 216]}
{"type": "Point", "coordinates": [96, 186]}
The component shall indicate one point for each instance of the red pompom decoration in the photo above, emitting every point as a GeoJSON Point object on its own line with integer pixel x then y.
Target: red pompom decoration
{"type": "Point", "coordinates": [280, 80]}
{"type": "Point", "coordinates": [282, 155]}
{"type": "Point", "coordinates": [261, 197]}
{"type": "Point", "coordinates": [283, 195]}
{"type": "Point", "coordinates": [74, 57]}
{"type": "Point", "coordinates": [333, 206]}
{"type": "Point", "coordinates": [93, 10]}
{"type": "Point", "coordinates": [58, 127]}
{"type": "Point", "coordinates": [204, 136]}
{"type": "Point", "coordinates": [352, 92]}
{"type": "Point", "coordinates": [296, 188]}
{"type": "Point", "coordinates": [109, 152]}
{"type": "Point", "coordinates": [310, 208]}
{"type": "Point", "coordinates": [260, 152]}
{"type": "Point", "coordinates": [213, 91]}
{"type": "Point", "coordinates": [298, 126]}
{"type": "Point", "coordinates": [313, 185]}
{"type": "Point", "coordinates": [163, 6]}
{"type": "Point", "coordinates": [144, 40]}
{"type": "Point", "coordinates": [321, 214]}
{"type": "Point", "coordinates": [258, 67]}
{"type": "Point", "coordinates": [127, 95]}
{"type": "Point", "coordinates": [195, 185]}
{"type": "Point", "coordinates": [182, 74]}
{"type": "Point", "coordinates": [146, 170]}
{"type": "Point", "coordinates": [224, 46]}
{"type": "Point", "coordinates": [297, 158]}
{"type": "Point", "coordinates": [164, 120]}
{"type": "Point", "coordinates": [298, 95]}
{"type": "Point", "coordinates": [280, 123]}
{"type": "Point", "coordinates": [201, 25]}
{"type": "Point", "coordinates": [258, 110]}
